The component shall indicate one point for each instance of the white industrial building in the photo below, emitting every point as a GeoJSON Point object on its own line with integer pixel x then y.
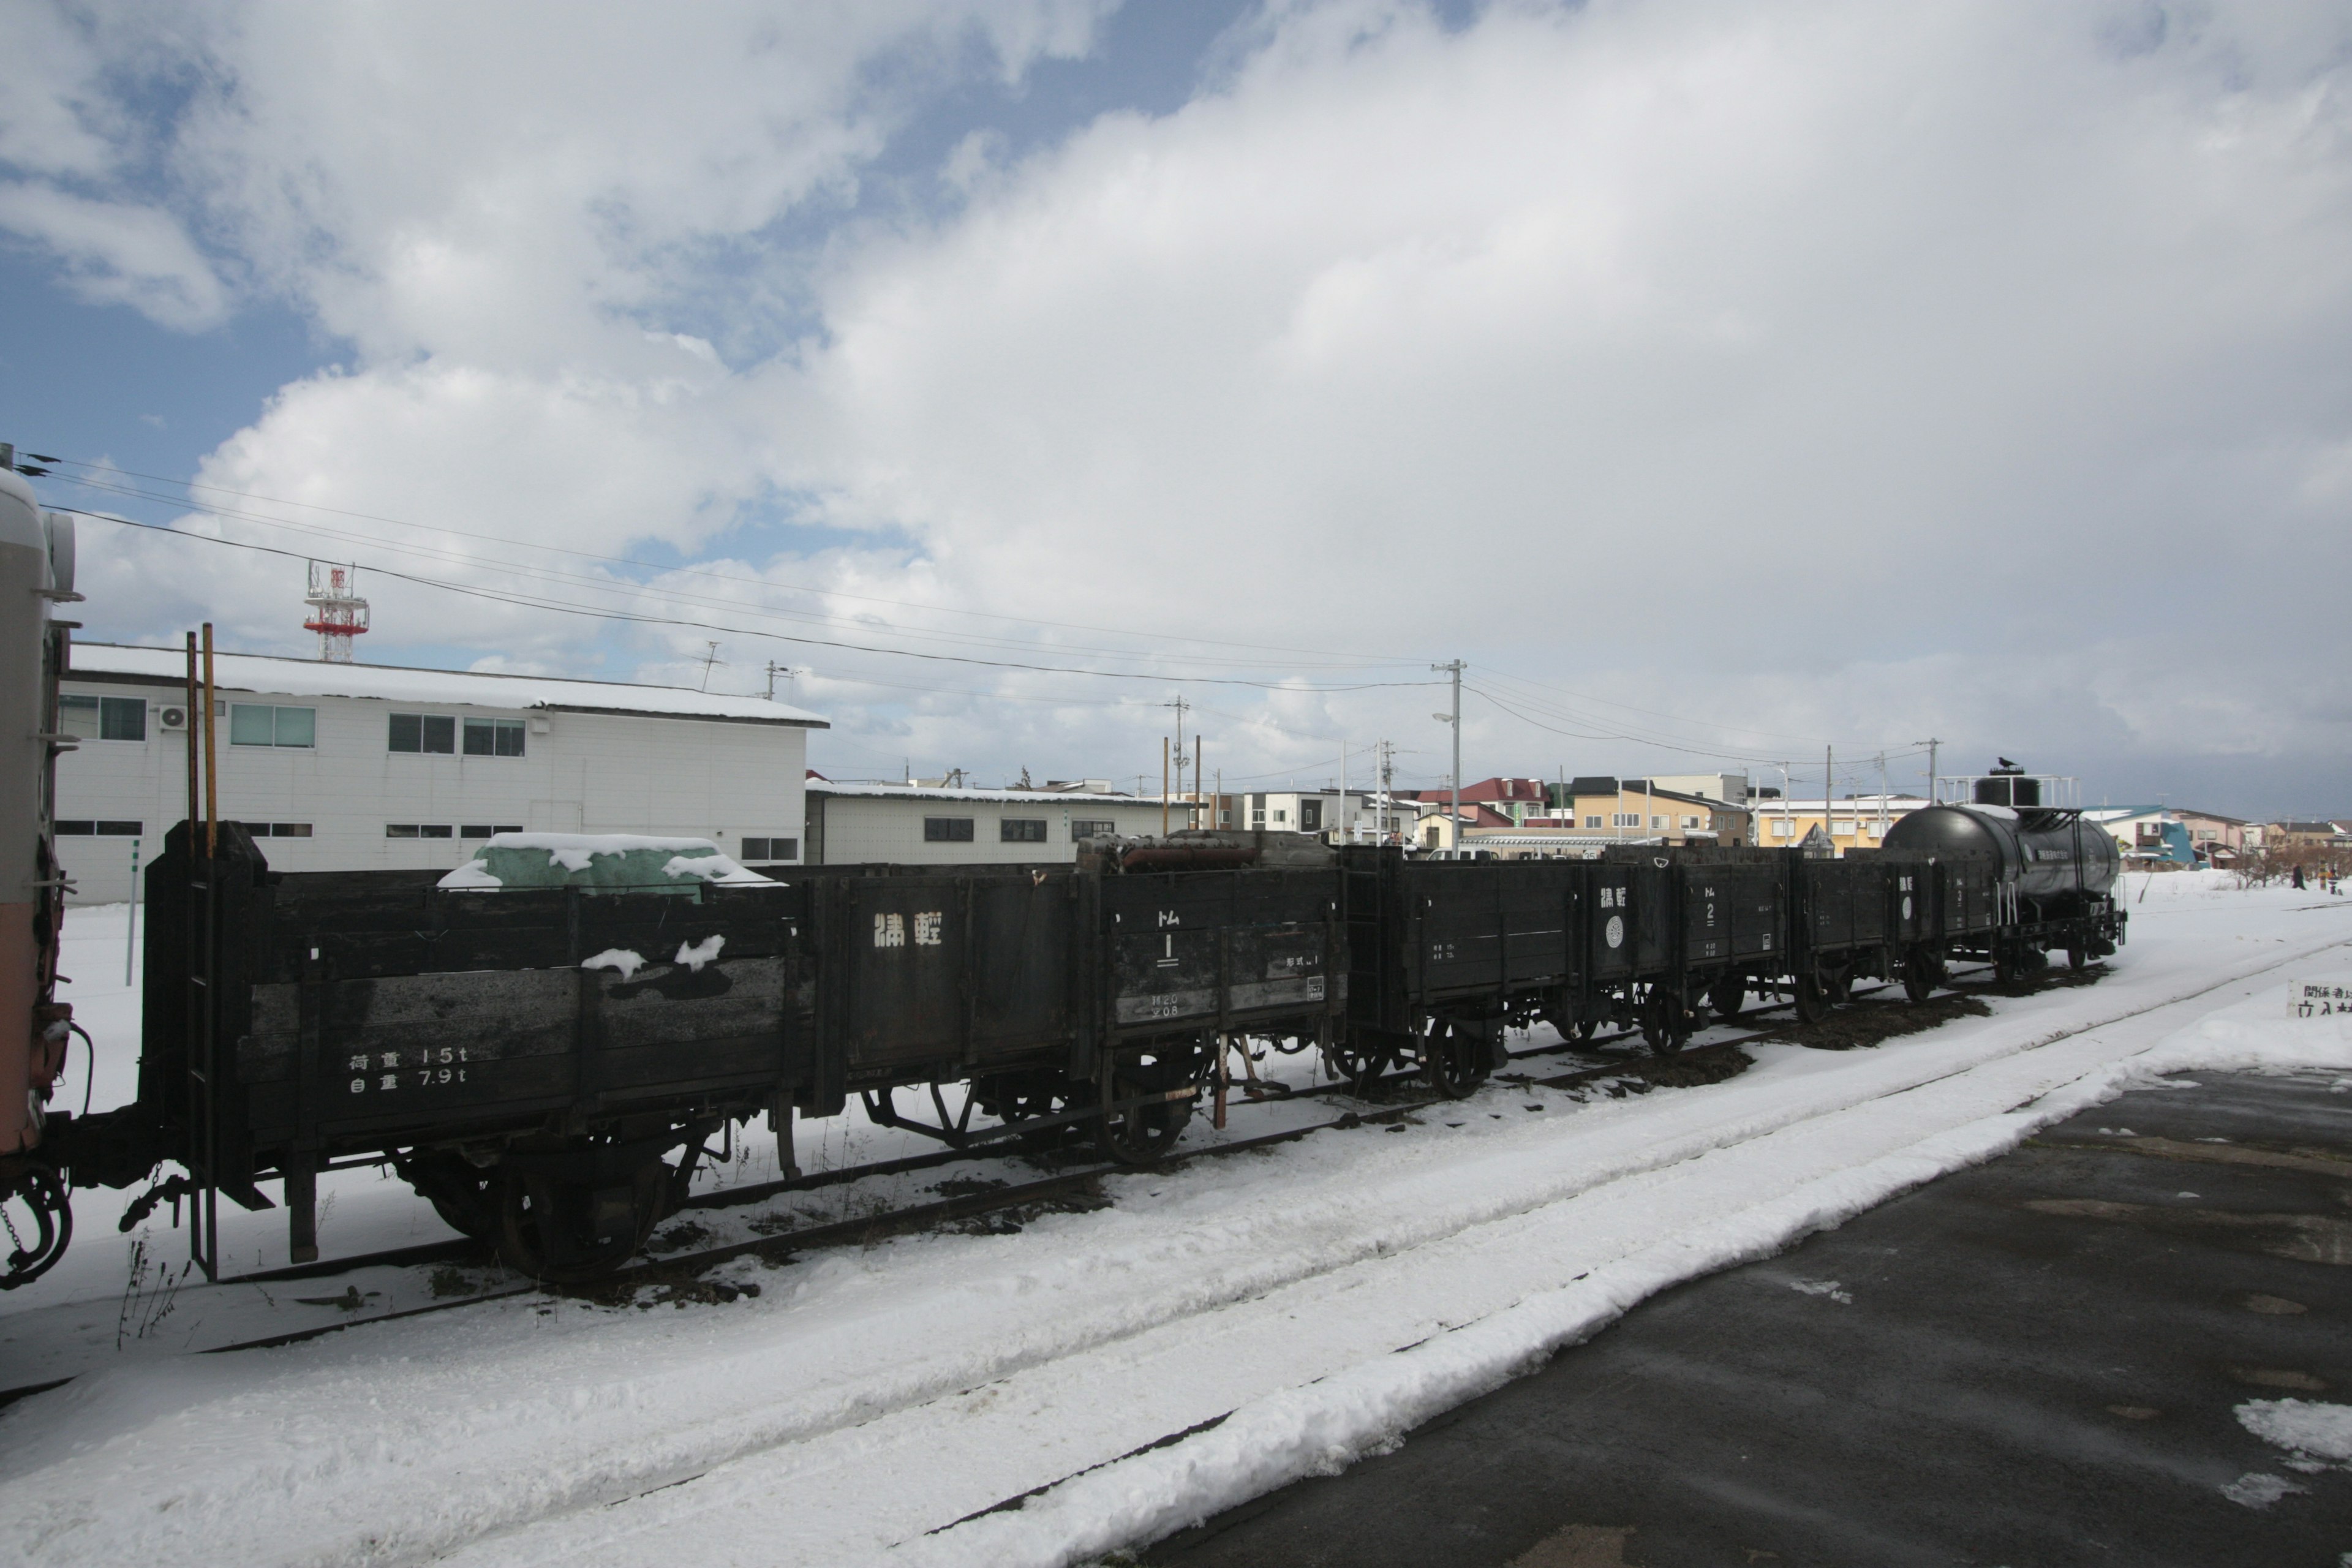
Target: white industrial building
{"type": "Point", "coordinates": [364, 767]}
{"type": "Point", "coordinates": [917, 825]}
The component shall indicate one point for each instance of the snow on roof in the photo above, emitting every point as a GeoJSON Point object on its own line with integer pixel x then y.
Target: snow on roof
{"type": "Point", "coordinates": [984, 796]}
{"type": "Point", "coordinates": [393, 683]}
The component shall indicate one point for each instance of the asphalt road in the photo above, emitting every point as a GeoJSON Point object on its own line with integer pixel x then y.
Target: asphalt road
{"type": "Point", "coordinates": [2036, 1361]}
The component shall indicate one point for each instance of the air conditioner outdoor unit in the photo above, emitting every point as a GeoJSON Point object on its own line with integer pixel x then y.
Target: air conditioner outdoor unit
{"type": "Point", "coordinates": [173, 718]}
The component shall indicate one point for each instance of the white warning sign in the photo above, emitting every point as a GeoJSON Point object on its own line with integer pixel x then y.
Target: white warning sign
{"type": "Point", "coordinates": [2320, 997]}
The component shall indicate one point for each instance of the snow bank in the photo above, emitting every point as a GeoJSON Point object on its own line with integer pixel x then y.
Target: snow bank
{"type": "Point", "coordinates": [2305, 1426]}
{"type": "Point", "coordinates": [2141, 889]}
{"type": "Point", "coordinates": [1431, 1265]}
{"type": "Point", "coordinates": [1320, 1428]}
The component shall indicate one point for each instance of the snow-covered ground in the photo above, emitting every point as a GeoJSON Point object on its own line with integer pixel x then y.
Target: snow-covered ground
{"type": "Point", "coordinates": [1288, 1309]}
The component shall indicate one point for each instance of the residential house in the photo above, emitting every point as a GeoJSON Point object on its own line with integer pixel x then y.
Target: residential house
{"type": "Point", "coordinates": [2151, 837]}
{"type": "Point", "coordinates": [1853, 822]}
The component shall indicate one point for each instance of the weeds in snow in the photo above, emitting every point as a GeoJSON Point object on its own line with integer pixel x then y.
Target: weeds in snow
{"type": "Point", "coordinates": [148, 1294]}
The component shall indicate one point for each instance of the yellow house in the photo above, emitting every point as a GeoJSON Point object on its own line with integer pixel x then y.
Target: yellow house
{"type": "Point", "coordinates": [1638, 809]}
{"type": "Point", "coordinates": [1857, 822]}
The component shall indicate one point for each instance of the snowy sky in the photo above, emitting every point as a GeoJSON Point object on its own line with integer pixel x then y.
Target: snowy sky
{"type": "Point", "coordinates": [1720, 381]}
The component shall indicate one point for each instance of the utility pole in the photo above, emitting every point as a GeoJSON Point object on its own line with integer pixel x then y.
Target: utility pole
{"type": "Point", "coordinates": [1343, 789]}
{"type": "Point", "coordinates": [1882, 794]}
{"type": "Point", "coordinates": [707, 660]}
{"type": "Point", "coordinates": [1931, 744]}
{"type": "Point", "coordinates": [1180, 705]}
{"type": "Point", "coordinates": [1163, 786]}
{"type": "Point", "coordinates": [1454, 668]}
{"type": "Point", "coordinates": [775, 670]}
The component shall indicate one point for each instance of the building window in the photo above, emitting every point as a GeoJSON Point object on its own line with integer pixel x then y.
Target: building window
{"type": "Point", "coordinates": [259, 724]}
{"type": "Point", "coordinates": [85, 828]}
{"type": "Point", "coordinates": [494, 737]}
{"type": "Point", "coordinates": [1257, 816]}
{"type": "Point", "coordinates": [1690, 822]}
{"type": "Point", "coordinates": [435, 734]}
{"type": "Point", "coordinates": [946, 830]}
{"type": "Point", "coordinates": [418, 830]}
{"type": "Point", "coordinates": [1021, 830]}
{"type": "Point", "coordinates": [1310, 816]}
{"type": "Point", "coordinates": [277, 830]}
{"type": "Point", "coordinates": [1625, 819]}
{"type": "Point", "coordinates": [1092, 828]}
{"type": "Point", "coordinates": [1842, 829]}
{"type": "Point", "coordinates": [485, 830]}
{"type": "Point", "coordinates": [771, 849]}
{"type": "Point", "coordinates": [1282, 817]}
{"type": "Point", "coordinates": [103, 718]}
{"type": "Point", "coordinates": [1593, 821]}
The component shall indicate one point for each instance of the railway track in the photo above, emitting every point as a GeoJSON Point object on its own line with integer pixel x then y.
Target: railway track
{"type": "Point", "coordinates": [1376, 1109]}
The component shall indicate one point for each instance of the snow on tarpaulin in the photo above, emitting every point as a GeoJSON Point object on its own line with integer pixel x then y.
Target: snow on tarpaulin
{"type": "Point", "coordinates": [599, 860]}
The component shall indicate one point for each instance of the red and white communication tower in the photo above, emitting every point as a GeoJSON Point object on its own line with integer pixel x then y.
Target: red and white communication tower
{"type": "Point", "coordinates": [337, 612]}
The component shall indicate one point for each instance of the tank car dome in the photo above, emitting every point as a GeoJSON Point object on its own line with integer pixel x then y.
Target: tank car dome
{"type": "Point", "coordinates": [1946, 830]}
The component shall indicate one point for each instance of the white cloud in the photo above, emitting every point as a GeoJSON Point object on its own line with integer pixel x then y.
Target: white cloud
{"type": "Point", "coordinates": [1830, 369]}
{"type": "Point", "coordinates": [117, 253]}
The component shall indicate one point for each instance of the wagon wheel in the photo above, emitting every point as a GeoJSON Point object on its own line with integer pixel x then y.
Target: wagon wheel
{"type": "Point", "coordinates": [1812, 1000]}
{"type": "Point", "coordinates": [1359, 1065]}
{"type": "Point", "coordinates": [558, 1232]}
{"type": "Point", "coordinates": [2078, 953]}
{"type": "Point", "coordinates": [466, 1198]}
{"type": "Point", "coordinates": [2004, 963]}
{"type": "Point", "coordinates": [1837, 983]}
{"type": "Point", "coordinates": [1920, 974]}
{"type": "Point", "coordinates": [1728, 997]}
{"type": "Point", "coordinates": [1665, 1023]}
{"type": "Point", "coordinates": [1141, 1134]}
{"type": "Point", "coordinates": [1453, 1061]}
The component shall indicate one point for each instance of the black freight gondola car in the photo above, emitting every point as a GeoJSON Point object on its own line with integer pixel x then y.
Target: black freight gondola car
{"type": "Point", "coordinates": [531, 1060]}
{"type": "Point", "coordinates": [545, 1064]}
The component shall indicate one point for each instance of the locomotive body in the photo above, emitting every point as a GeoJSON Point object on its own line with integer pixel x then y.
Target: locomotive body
{"type": "Point", "coordinates": [36, 574]}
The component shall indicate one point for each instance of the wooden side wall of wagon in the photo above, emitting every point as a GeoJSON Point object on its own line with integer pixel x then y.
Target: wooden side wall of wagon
{"type": "Point", "coordinates": [1732, 914]}
{"type": "Point", "coordinates": [939, 977]}
{"type": "Point", "coordinates": [1486, 931]}
{"type": "Point", "coordinates": [1250, 951]}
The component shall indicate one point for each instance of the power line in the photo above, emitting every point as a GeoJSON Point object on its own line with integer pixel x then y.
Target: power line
{"type": "Point", "coordinates": [630, 560]}
{"type": "Point", "coordinates": [624, 587]}
{"type": "Point", "coordinates": [559, 607]}
{"type": "Point", "coordinates": [1715, 752]}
